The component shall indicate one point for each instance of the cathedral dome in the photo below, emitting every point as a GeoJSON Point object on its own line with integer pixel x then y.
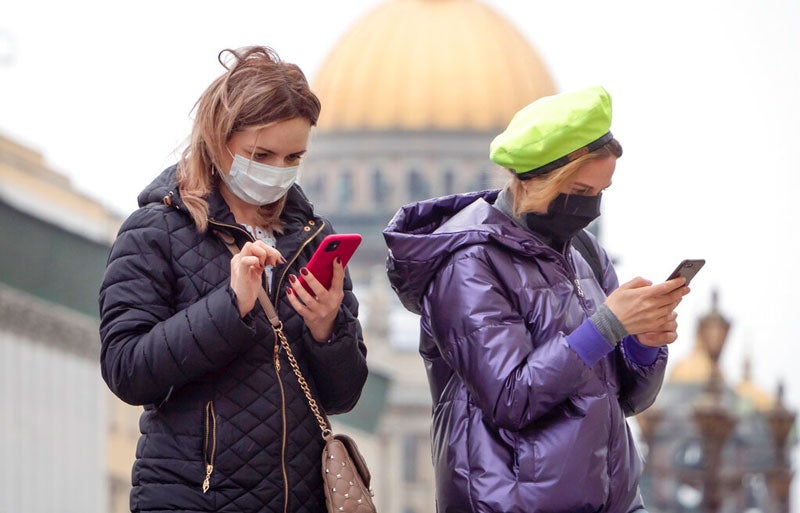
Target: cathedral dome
{"type": "Point", "coordinates": [429, 65]}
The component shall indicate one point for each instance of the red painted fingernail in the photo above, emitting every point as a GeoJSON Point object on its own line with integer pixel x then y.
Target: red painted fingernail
{"type": "Point", "coordinates": [292, 278]}
{"type": "Point", "coordinates": [338, 260]}
{"type": "Point", "coordinates": [288, 291]}
{"type": "Point", "coordinates": [304, 271]}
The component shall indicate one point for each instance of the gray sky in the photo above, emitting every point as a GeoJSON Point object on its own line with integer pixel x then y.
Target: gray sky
{"type": "Point", "coordinates": [706, 102]}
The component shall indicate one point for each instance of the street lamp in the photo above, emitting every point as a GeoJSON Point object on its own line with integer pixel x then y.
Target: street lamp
{"type": "Point", "coordinates": [714, 421]}
{"type": "Point", "coordinates": [780, 421]}
{"type": "Point", "coordinates": [649, 421]}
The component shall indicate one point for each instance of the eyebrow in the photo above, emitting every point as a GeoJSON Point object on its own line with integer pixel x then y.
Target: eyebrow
{"type": "Point", "coordinates": [263, 149]}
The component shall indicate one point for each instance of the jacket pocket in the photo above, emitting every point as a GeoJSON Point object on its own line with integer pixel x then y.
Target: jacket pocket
{"type": "Point", "coordinates": [209, 442]}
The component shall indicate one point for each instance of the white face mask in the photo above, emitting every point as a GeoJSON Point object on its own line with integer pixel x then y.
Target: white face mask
{"type": "Point", "coordinates": [256, 183]}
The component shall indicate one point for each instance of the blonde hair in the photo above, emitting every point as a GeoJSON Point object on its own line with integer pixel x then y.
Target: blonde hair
{"type": "Point", "coordinates": [257, 89]}
{"type": "Point", "coordinates": [544, 188]}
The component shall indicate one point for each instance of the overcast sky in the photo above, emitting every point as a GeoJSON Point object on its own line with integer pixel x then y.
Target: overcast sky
{"type": "Point", "coordinates": [706, 105]}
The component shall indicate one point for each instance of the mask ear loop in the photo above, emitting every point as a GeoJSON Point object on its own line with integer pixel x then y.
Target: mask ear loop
{"type": "Point", "coordinates": [233, 157]}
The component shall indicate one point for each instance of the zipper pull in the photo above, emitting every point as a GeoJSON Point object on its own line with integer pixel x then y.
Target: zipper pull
{"type": "Point", "coordinates": [207, 480]}
{"type": "Point", "coordinates": [277, 356]}
{"type": "Point", "coordinates": [578, 286]}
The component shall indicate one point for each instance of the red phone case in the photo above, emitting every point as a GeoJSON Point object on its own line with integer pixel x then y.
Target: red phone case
{"type": "Point", "coordinates": [341, 245]}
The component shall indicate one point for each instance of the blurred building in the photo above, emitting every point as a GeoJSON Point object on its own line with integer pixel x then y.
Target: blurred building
{"type": "Point", "coordinates": [412, 95]}
{"type": "Point", "coordinates": [54, 441]}
{"type": "Point", "coordinates": [713, 446]}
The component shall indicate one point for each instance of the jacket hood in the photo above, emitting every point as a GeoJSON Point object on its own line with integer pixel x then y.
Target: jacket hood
{"type": "Point", "coordinates": [423, 235]}
{"type": "Point", "coordinates": [164, 184]}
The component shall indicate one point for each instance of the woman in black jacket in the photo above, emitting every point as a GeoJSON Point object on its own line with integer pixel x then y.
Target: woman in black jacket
{"type": "Point", "coordinates": [225, 425]}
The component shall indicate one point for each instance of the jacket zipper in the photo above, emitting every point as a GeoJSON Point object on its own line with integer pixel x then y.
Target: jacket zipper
{"type": "Point", "coordinates": [210, 434]}
{"type": "Point", "coordinates": [233, 227]}
{"type": "Point", "coordinates": [578, 287]}
{"type": "Point", "coordinates": [294, 257]}
{"type": "Point", "coordinates": [575, 280]}
{"type": "Point", "coordinates": [582, 300]}
{"type": "Point", "coordinates": [277, 363]}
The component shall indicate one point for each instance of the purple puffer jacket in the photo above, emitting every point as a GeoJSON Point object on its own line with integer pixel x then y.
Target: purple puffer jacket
{"type": "Point", "coordinates": [521, 421]}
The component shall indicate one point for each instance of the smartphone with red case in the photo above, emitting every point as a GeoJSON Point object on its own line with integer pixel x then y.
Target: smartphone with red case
{"type": "Point", "coordinates": [687, 268]}
{"type": "Point", "coordinates": [341, 245]}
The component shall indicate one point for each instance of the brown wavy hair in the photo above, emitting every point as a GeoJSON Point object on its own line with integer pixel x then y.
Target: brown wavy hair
{"type": "Point", "coordinates": [256, 89]}
{"type": "Point", "coordinates": [548, 185]}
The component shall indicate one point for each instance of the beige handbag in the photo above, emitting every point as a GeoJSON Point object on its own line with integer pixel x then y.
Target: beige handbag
{"type": "Point", "coordinates": [345, 475]}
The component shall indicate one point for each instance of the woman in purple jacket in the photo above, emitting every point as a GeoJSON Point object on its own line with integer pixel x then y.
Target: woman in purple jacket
{"type": "Point", "coordinates": [533, 365]}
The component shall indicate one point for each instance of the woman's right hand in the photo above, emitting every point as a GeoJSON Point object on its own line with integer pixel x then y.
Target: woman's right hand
{"type": "Point", "coordinates": [247, 267]}
{"type": "Point", "coordinates": [642, 307]}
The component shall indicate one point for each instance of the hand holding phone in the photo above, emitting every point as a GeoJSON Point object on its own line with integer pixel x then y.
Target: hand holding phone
{"type": "Point", "coordinates": [687, 269]}
{"type": "Point", "coordinates": [341, 245]}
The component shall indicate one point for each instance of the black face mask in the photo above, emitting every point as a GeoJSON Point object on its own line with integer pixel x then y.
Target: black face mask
{"type": "Point", "coordinates": [566, 215]}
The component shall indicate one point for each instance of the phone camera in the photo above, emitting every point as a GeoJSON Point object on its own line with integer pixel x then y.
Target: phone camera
{"type": "Point", "coordinates": [332, 245]}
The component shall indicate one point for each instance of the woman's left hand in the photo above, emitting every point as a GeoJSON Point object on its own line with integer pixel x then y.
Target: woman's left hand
{"type": "Point", "coordinates": [319, 309]}
{"type": "Point", "coordinates": [667, 333]}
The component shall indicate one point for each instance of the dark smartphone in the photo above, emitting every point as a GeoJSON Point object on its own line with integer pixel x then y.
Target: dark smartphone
{"type": "Point", "coordinates": [341, 245]}
{"type": "Point", "coordinates": [688, 268]}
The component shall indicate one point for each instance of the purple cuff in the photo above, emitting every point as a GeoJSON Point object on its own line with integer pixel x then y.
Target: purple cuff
{"type": "Point", "coordinates": [639, 353]}
{"type": "Point", "coordinates": [589, 343]}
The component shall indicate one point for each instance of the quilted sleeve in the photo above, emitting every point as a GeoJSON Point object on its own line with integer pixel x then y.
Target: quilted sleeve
{"type": "Point", "coordinates": [148, 347]}
{"type": "Point", "coordinates": [340, 366]}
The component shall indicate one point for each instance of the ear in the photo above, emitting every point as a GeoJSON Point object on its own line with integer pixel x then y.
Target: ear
{"type": "Point", "coordinates": [531, 201]}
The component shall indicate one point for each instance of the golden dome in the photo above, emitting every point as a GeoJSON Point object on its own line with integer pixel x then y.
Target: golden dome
{"type": "Point", "coordinates": [761, 400]}
{"type": "Point", "coordinates": [429, 64]}
{"type": "Point", "coordinates": [694, 369]}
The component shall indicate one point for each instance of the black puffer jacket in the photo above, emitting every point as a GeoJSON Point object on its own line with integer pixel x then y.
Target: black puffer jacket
{"type": "Point", "coordinates": [215, 407]}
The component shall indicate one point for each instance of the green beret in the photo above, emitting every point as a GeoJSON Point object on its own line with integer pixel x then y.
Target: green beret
{"type": "Point", "coordinates": [548, 133]}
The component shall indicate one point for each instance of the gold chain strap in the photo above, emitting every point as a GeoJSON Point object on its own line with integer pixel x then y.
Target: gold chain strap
{"type": "Point", "coordinates": [323, 425]}
{"type": "Point", "coordinates": [277, 327]}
